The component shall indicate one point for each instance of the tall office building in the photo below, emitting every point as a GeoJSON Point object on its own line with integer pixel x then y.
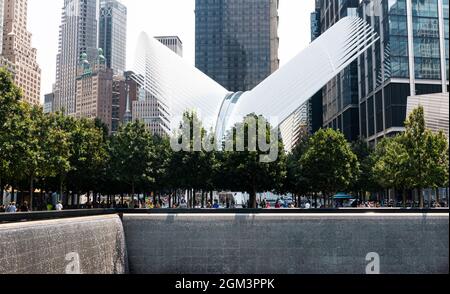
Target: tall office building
{"type": "Point", "coordinates": [173, 43]}
{"type": "Point", "coordinates": [78, 35]}
{"type": "Point", "coordinates": [315, 22]}
{"type": "Point", "coordinates": [369, 99]}
{"type": "Point", "coordinates": [4, 63]}
{"type": "Point", "coordinates": [124, 92]}
{"type": "Point", "coordinates": [297, 125]}
{"type": "Point", "coordinates": [94, 90]}
{"type": "Point", "coordinates": [113, 34]}
{"type": "Point", "coordinates": [2, 4]}
{"type": "Point", "coordinates": [236, 41]}
{"type": "Point", "coordinates": [410, 59]}
{"type": "Point", "coordinates": [340, 95]}
{"type": "Point", "coordinates": [48, 102]}
{"type": "Point", "coordinates": [18, 51]}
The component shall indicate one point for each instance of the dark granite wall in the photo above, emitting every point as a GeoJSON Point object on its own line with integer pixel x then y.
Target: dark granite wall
{"type": "Point", "coordinates": [287, 244]}
{"type": "Point", "coordinates": [229, 244]}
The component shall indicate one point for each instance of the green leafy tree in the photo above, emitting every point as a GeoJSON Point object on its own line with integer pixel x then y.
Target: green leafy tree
{"type": "Point", "coordinates": [31, 131]}
{"type": "Point", "coordinates": [253, 170]}
{"type": "Point", "coordinates": [392, 165]}
{"type": "Point", "coordinates": [329, 162]}
{"type": "Point", "coordinates": [193, 166]}
{"type": "Point", "coordinates": [132, 156]}
{"type": "Point", "coordinates": [24, 145]}
{"type": "Point", "coordinates": [89, 156]}
{"type": "Point", "coordinates": [296, 180]}
{"type": "Point", "coordinates": [10, 95]}
{"type": "Point", "coordinates": [365, 181]}
{"type": "Point", "coordinates": [428, 154]}
{"type": "Point", "coordinates": [437, 146]}
{"type": "Point", "coordinates": [60, 148]}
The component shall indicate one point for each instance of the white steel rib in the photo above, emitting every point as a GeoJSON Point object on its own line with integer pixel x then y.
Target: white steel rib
{"type": "Point", "coordinates": [179, 86]}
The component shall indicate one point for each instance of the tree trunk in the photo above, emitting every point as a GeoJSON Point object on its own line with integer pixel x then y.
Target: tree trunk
{"type": "Point", "coordinates": [193, 198]}
{"type": "Point", "coordinates": [20, 200]}
{"type": "Point", "coordinates": [189, 198]}
{"type": "Point", "coordinates": [132, 194]}
{"type": "Point", "coordinates": [170, 200]}
{"type": "Point", "coordinates": [421, 202]}
{"type": "Point", "coordinates": [437, 197]}
{"type": "Point", "coordinates": [31, 193]}
{"type": "Point", "coordinates": [211, 195]}
{"type": "Point", "coordinates": [253, 198]}
{"type": "Point", "coordinates": [41, 197]}
{"type": "Point", "coordinates": [78, 199]}
{"type": "Point", "coordinates": [1, 191]}
{"type": "Point", "coordinates": [66, 199]}
{"type": "Point", "coordinates": [61, 187]}
{"type": "Point", "coordinates": [203, 199]}
{"type": "Point", "coordinates": [404, 198]}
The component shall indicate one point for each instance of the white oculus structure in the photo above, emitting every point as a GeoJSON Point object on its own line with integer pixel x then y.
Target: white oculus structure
{"type": "Point", "coordinates": [179, 86]}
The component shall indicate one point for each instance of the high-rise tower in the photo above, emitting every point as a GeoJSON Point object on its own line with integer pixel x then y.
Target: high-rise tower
{"type": "Point", "coordinates": [78, 36]}
{"type": "Point", "coordinates": [173, 43]}
{"type": "Point", "coordinates": [236, 41]}
{"type": "Point", "coordinates": [18, 51]}
{"type": "Point", "coordinates": [112, 37]}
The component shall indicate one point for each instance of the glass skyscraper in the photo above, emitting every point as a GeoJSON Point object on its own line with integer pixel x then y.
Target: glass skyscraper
{"type": "Point", "coordinates": [237, 41]}
{"type": "Point", "coordinates": [340, 95]}
{"type": "Point", "coordinates": [369, 98]}
{"type": "Point", "coordinates": [410, 59]}
{"type": "Point", "coordinates": [113, 34]}
{"type": "Point", "coordinates": [315, 22]}
{"type": "Point", "coordinates": [78, 35]}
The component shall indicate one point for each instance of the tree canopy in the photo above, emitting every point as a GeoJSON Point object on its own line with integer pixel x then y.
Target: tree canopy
{"type": "Point", "coordinates": [54, 152]}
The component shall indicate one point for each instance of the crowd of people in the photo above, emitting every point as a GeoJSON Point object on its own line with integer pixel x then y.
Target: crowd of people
{"type": "Point", "coordinates": [13, 207]}
{"type": "Point", "coordinates": [182, 203]}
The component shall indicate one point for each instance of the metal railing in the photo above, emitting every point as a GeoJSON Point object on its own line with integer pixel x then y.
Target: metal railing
{"type": "Point", "coordinates": [48, 215]}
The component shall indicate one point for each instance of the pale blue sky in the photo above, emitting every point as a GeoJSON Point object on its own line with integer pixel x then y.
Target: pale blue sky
{"type": "Point", "coordinates": [157, 18]}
